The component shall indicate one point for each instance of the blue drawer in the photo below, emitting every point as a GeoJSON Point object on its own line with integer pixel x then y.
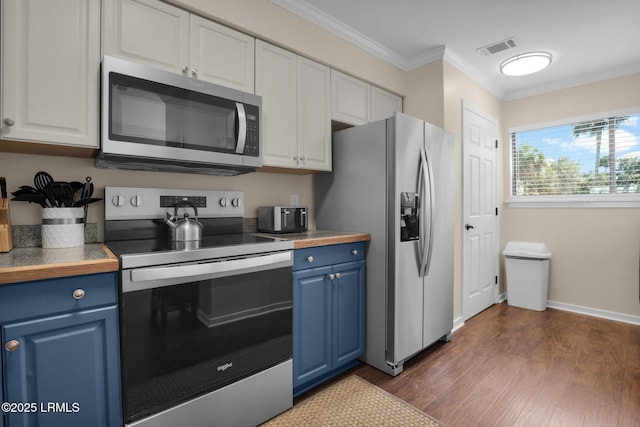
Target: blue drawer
{"type": "Point", "coordinates": [47, 297]}
{"type": "Point", "coordinates": [327, 255]}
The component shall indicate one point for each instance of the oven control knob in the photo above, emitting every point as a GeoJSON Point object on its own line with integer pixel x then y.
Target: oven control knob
{"type": "Point", "coordinates": [224, 202]}
{"type": "Point", "coordinates": [236, 202]}
{"type": "Point", "coordinates": [118, 200]}
{"type": "Point", "coordinates": [137, 201]}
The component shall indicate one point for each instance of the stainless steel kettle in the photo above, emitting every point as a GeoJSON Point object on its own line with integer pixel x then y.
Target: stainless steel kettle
{"type": "Point", "coordinates": [185, 229]}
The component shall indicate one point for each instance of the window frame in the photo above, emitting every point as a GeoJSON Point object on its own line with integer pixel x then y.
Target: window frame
{"type": "Point", "coordinates": [618, 200]}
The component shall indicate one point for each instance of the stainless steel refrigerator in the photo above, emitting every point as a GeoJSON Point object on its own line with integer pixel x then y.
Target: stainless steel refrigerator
{"type": "Point", "coordinates": [394, 180]}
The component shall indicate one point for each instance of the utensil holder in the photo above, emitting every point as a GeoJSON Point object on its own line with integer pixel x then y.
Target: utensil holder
{"type": "Point", "coordinates": [62, 227]}
{"type": "Point", "coordinates": [6, 242]}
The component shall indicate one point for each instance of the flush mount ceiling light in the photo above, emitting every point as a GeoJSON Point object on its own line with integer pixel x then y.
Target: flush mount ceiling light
{"type": "Point", "coordinates": [526, 63]}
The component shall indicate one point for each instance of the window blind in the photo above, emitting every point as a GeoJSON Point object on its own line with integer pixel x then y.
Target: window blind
{"type": "Point", "coordinates": [599, 156]}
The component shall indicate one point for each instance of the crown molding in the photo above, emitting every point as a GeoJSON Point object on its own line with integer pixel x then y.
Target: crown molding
{"type": "Point", "coordinates": [329, 23]}
{"type": "Point", "coordinates": [340, 29]}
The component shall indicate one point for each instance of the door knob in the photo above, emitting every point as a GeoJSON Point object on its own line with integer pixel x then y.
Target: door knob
{"type": "Point", "coordinates": [469, 226]}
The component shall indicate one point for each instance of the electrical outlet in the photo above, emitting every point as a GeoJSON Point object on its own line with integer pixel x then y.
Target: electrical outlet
{"type": "Point", "coordinates": [294, 199]}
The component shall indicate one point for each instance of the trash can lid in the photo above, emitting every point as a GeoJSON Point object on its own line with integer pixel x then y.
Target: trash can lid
{"type": "Point", "coordinates": [527, 250]}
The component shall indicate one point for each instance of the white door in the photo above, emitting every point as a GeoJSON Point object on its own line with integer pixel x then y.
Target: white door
{"type": "Point", "coordinates": [479, 211]}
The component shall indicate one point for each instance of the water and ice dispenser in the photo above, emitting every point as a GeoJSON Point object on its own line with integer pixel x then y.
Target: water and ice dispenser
{"type": "Point", "coordinates": [409, 217]}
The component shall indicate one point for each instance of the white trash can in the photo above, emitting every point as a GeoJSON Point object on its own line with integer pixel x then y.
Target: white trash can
{"type": "Point", "coordinates": [527, 266]}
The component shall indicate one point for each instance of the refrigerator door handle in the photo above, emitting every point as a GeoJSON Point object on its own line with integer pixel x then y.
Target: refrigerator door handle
{"type": "Point", "coordinates": [426, 172]}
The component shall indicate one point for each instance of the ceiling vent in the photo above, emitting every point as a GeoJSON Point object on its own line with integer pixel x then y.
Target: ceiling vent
{"type": "Point", "coordinates": [497, 47]}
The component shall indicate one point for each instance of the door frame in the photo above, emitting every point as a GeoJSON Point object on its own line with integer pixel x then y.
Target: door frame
{"type": "Point", "coordinates": [467, 106]}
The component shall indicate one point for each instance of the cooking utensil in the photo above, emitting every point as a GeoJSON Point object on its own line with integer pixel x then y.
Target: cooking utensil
{"type": "Point", "coordinates": [28, 189]}
{"type": "Point", "coordinates": [87, 192]}
{"type": "Point", "coordinates": [41, 179]}
{"type": "Point", "coordinates": [61, 192]}
{"type": "Point", "coordinates": [84, 202]}
{"type": "Point", "coordinates": [32, 198]}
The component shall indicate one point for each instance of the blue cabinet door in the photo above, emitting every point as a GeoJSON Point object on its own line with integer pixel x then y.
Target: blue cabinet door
{"type": "Point", "coordinates": [65, 365]}
{"type": "Point", "coordinates": [311, 324]}
{"type": "Point", "coordinates": [348, 312]}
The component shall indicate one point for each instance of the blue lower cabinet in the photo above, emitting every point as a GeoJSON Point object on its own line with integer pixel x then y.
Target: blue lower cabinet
{"type": "Point", "coordinates": [63, 369]}
{"type": "Point", "coordinates": [328, 312]}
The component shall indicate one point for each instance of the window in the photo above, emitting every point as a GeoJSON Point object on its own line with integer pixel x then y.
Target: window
{"type": "Point", "coordinates": [592, 157]}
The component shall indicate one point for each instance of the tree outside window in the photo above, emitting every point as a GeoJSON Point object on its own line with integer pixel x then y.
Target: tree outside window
{"type": "Point", "coordinates": [571, 160]}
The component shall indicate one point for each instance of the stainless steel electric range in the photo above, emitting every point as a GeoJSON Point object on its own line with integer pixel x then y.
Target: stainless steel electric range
{"type": "Point", "coordinates": [205, 325]}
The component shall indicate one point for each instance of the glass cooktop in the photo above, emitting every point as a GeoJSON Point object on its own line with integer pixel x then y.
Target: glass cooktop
{"type": "Point", "coordinates": [145, 252]}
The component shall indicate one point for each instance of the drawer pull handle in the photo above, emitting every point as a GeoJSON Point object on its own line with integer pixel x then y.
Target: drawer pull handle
{"type": "Point", "coordinates": [337, 275]}
{"type": "Point", "coordinates": [354, 252]}
{"type": "Point", "coordinates": [332, 276]}
{"type": "Point", "coordinates": [12, 345]}
{"type": "Point", "coordinates": [309, 258]}
{"type": "Point", "coordinates": [78, 293]}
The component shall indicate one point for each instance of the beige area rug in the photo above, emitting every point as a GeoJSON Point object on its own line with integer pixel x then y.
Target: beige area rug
{"type": "Point", "coordinates": [353, 402]}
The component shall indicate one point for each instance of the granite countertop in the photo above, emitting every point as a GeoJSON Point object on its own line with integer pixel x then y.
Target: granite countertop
{"type": "Point", "coordinates": [314, 238]}
{"type": "Point", "coordinates": [36, 263]}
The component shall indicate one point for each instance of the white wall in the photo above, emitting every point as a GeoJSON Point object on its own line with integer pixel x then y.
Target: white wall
{"type": "Point", "coordinates": [595, 250]}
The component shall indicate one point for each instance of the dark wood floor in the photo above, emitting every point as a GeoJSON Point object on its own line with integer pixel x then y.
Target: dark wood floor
{"type": "Point", "coordinates": [514, 367]}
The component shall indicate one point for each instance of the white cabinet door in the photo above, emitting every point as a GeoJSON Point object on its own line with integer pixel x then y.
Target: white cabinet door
{"type": "Point", "coordinates": [50, 71]}
{"type": "Point", "coordinates": [383, 104]}
{"type": "Point", "coordinates": [276, 83]}
{"type": "Point", "coordinates": [314, 115]}
{"type": "Point", "coordinates": [350, 99]}
{"type": "Point", "coordinates": [147, 31]}
{"type": "Point", "coordinates": [296, 113]}
{"type": "Point", "coordinates": [221, 55]}
{"type": "Point", "coordinates": [164, 36]}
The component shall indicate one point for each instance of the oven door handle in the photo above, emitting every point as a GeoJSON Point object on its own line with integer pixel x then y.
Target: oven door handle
{"type": "Point", "coordinates": [221, 268]}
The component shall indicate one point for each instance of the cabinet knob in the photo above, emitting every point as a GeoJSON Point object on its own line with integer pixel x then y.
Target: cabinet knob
{"type": "Point", "coordinates": [332, 276]}
{"type": "Point", "coordinates": [338, 275]}
{"type": "Point", "coordinates": [185, 69]}
{"type": "Point", "coordinates": [354, 252]}
{"type": "Point", "coordinates": [78, 293]}
{"type": "Point", "coordinates": [12, 345]}
{"type": "Point", "coordinates": [309, 258]}
{"type": "Point", "coordinates": [194, 73]}
{"type": "Point", "coordinates": [9, 122]}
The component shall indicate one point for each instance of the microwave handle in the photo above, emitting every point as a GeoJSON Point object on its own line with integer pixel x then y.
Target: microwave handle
{"type": "Point", "coordinates": [242, 128]}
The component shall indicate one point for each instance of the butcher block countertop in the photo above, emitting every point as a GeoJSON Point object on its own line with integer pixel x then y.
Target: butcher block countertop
{"type": "Point", "coordinates": [313, 238]}
{"type": "Point", "coordinates": [35, 263]}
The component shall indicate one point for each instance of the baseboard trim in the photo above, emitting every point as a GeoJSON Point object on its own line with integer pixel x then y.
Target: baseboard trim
{"type": "Point", "coordinates": [457, 324]}
{"type": "Point", "coordinates": [604, 314]}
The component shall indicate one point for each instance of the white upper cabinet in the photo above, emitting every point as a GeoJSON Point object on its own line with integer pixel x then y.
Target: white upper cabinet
{"type": "Point", "coordinates": [350, 99]}
{"type": "Point", "coordinates": [383, 104]}
{"type": "Point", "coordinates": [296, 123]}
{"type": "Point", "coordinates": [356, 102]}
{"type": "Point", "coordinates": [50, 71]}
{"type": "Point", "coordinates": [221, 55]}
{"type": "Point", "coordinates": [167, 37]}
{"type": "Point", "coordinates": [314, 115]}
{"type": "Point", "coordinates": [148, 31]}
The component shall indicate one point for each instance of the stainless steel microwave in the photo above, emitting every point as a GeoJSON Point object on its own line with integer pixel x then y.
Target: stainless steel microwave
{"type": "Point", "coordinates": [157, 120]}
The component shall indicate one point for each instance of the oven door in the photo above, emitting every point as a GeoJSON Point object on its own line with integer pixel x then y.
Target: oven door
{"type": "Point", "coordinates": [188, 329]}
